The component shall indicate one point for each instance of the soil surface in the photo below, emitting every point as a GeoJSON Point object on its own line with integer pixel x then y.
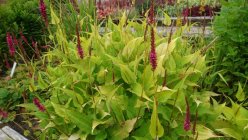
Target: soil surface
{"type": "Point", "coordinates": [20, 126]}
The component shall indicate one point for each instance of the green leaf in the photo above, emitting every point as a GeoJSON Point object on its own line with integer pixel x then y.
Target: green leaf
{"type": "Point", "coordinates": [42, 84]}
{"type": "Point", "coordinates": [167, 19]}
{"type": "Point", "coordinates": [127, 75]}
{"type": "Point", "coordinates": [240, 95]}
{"type": "Point", "coordinates": [29, 106]}
{"type": "Point", "coordinates": [205, 133]}
{"type": "Point", "coordinates": [26, 133]}
{"type": "Point", "coordinates": [164, 94]}
{"type": "Point", "coordinates": [156, 129]}
{"type": "Point", "coordinates": [136, 88]}
{"type": "Point", "coordinates": [123, 19]}
{"type": "Point", "coordinates": [117, 110]}
{"type": "Point", "coordinates": [3, 93]}
{"type": "Point", "coordinates": [54, 18]}
{"type": "Point", "coordinates": [77, 98]}
{"type": "Point", "coordinates": [230, 133]}
{"type": "Point", "coordinates": [108, 90]}
{"type": "Point", "coordinates": [59, 109]}
{"type": "Point", "coordinates": [147, 78]}
{"type": "Point", "coordinates": [80, 120]}
{"type": "Point", "coordinates": [122, 132]}
{"type": "Point", "coordinates": [221, 76]}
{"type": "Point", "coordinates": [130, 47]}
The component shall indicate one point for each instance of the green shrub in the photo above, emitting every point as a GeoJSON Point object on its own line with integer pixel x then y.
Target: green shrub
{"type": "Point", "coordinates": [16, 16]}
{"type": "Point", "coordinates": [230, 67]}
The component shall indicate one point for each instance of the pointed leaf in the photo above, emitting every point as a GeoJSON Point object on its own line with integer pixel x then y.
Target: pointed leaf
{"type": "Point", "coordinates": [240, 95]}
{"type": "Point", "coordinates": [230, 133]}
{"type": "Point", "coordinates": [167, 19]}
{"type": "Point", "coordinates": [80, 120]}
{"type": "Point", "coordinates": [156, 129]}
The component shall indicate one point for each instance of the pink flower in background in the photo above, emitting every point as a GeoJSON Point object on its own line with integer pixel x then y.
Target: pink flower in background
{"type": "Point", "coordinates": [24, 38]}
{"type": "Point", "coordinates": [109, 7]}
{"type": "Point", "coordinates": [79, 48]}
{"type": "Point", "coordinates": [3, 114]}
{"type": "Point", "coordinates": [153, 55]}
{"type": "Point", "coordinates": [40, 106]}
{"type": "Point", "coordinates": [10, 43]}
{"type": "Point", "coordinates": [34, 45]}
{"type": "Point", "coordinates": [15, 41]}
{"type": "Point", "coordinates": [43, 11]}
{"type": "Point", "coordinates": [185, 15]}
{"type": "Point", "coordinates": [186, 125]}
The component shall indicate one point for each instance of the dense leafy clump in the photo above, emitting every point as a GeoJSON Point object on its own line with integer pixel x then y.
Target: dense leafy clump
{"type": "Point", "coordinates": [19, 16]}
{"type": "Point", "coordinates": [230, 66]}
{"type": "Point", "coordinates": [113, 92]}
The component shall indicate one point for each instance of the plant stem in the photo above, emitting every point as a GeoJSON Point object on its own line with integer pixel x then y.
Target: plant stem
{"type": "Point", "coordinates": [174, 104]}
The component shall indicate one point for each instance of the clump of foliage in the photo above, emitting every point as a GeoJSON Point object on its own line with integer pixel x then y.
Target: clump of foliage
{"type": "Point", "coordinates": [230, 66]}
{"type": "Point", "coordinates": [20, 16]}
{"type": "Point", "coordinates": [103, 87]}
{"type": "Point", "coordinates": [14, 92]}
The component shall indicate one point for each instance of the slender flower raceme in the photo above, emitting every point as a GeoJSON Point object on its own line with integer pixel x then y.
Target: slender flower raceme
{"type": "Point", "coordinates": [10, 43]}
{"type": "Point", "coordinates": [34, 45]}
{"type": "Point", "coordinates": [153, 55]}
{"type": "Point", "coordinates": [40, 106]}
{"type": "Point", "coordinates": [79, 48]}
{"type": "Point", "coordinates": [186, 125]}
{"type": "Point", "coordinates": [185, 15]}
{"type": "Point", "coordinates": [151, 21]}
{"type": "Point", "coordinates": [43, 11]}
{"type": "Point", "coordinates": [24, 38]}
{"type": "Point", "coordinates": [16, 43]}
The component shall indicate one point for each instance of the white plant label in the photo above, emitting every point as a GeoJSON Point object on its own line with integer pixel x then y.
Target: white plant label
{"type": "Point", "coordinates": [13, 69]}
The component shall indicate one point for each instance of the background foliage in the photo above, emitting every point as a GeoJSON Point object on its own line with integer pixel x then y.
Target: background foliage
{"type": "Point", "coordinates": [230, 67]}
{"type": "Point", "coordinates": [16, 16]}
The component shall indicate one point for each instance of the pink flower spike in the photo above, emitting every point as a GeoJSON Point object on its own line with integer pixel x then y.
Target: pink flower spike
{"type": "Point", "coordinates": [10, 43]}
{"type": "Point", "coordinates": [15, 41]}
{"type": "Point", "coordinates": [79, 48]}
{"type": "Point", "coordinates": [37, 103]}
{"type": "Point", "coordinates": [24, 38]}
{"type": "Point", "coordinates": [42, 7]}
{"type": "Point", "coordinates": [186, 125]}
{"type": "Point", "coordinates": [153, 55]}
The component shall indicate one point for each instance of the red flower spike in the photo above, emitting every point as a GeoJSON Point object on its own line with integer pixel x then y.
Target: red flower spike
{"type": "Point", "coordinates": [42, 7]}
{"type": "Point", "coordinates": [185, 15]}
{"type": "Point", "coordinates": [153, 55]}
{"type": "Point", "coordinates": [186, 125]}
{"type": "Point", "coordinates": [79, 48]}
{"type": "Point", "coordinates": [15, 41]}
{"type": "Point", "coordinates": [10, 43]}
{"type": "Point", "coordinates": [37, 103]}
{"type": "Point", "coordinates": [24, 38]}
